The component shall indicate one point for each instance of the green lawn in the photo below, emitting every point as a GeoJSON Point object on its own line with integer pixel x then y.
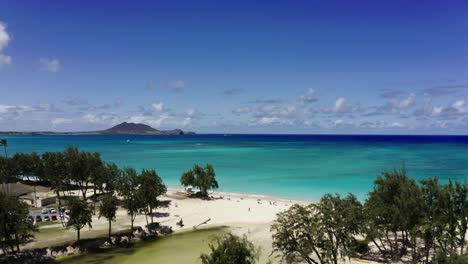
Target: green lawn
{"type": "Point", "coordinates": [183, 247]}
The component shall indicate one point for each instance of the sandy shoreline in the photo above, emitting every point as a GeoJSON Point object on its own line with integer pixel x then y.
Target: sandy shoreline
{"type": "Point", "coordinates": [243, 214]}
{"type": "Point", "coordinates": [249, 214]}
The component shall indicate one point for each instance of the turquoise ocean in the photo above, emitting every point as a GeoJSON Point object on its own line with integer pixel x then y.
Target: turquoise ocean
{"type": "Point", "coordinates": [290, 166]}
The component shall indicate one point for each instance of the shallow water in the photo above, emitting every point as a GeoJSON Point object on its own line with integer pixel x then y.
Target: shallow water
{"type": "Point", "coordinates": [178, 248]}
{"type": "Point", "coordinates": [293, 166]}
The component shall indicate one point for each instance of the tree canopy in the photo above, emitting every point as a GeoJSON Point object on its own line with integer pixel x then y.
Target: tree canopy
{"type": "Point", "coordinates": [80, 215]}
{"type": "Point", "coordinates": [150, 187]}
{"type": "Point", "coordinates": [404, 219]}
{"type": "Point", "coordinates": [202, 178]}
{"type": "Point", "coordinates": [231, 249]}
{"type": "Point", "coordinates": [108, 210]}
{"type": "Point", "coordinates": [317, 233]}
{"type": "Point", "coordinates": [15, 229]}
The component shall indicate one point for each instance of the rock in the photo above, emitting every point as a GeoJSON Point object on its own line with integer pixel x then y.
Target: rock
{"type": "Point", "coordinates": [59, 254]}
{"type": "Point", "coordinates": [71, 250]}
{"type": "Point", "coordinates": [49, 252]}
{"type": "Point", "coordinates": [106, 244]}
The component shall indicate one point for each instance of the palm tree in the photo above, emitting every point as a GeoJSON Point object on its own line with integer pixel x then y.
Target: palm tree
{"type": "Point", "coordinates": [4, 143]}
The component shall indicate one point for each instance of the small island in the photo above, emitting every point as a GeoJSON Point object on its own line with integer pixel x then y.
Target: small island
{"type": "Point", "coordinates": [123, 128]}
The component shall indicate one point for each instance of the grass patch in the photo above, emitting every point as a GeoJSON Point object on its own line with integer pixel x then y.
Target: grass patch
{"type": "Point", "coordinates": [184, 247]}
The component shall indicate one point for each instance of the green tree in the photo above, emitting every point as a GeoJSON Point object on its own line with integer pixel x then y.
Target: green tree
{"type": "Point", "coordinates": [28, 166]}
{"type": "Point", "coordinates": [452, 259]}
{"type": "Point", "coordinates": [81, 166]}
{"type": "Point", "coordinates": [128, 188]}
{"type": "Point", "coordinates": [4, 144]}
{"type": "Point", "coordinates": [318, 233]}
{"type": "Point", "coordinates": [231, 249]}
{"type": "Point", "coordinates": [80, 215]}
{"type": "Point", "coordinates": [201, 178]}
{"type": "Point", "coordinates": [7, 172]}
{"type": "Point", "coordinates": [109, 178]}
{"type": "Point", "coordinates": [297, 235]}
{"type": "Point", "coordinates": [340, 221]}
{"type": "Point", "coordinates": [108, 210]}
{"type": "Point", "coordinates": [150, 187]}
{"type": "Point", "coordinates": [396, 204]}
{"type": "Point", "coordinates": [15, 229]}
{"type": "Point", "coordinates": [96, 170]}
{"type": "Point", "coordinates": [461, 212]}
{"type": "Point", "coordinates": [54, 170]}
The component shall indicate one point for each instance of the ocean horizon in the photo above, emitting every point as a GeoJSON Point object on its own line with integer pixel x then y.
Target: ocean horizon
{"type": "Point", "coordinates": [283, 165]}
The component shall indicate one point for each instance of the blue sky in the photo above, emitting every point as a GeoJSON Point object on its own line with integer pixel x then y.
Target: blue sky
{"type": "Point", "coordinates": [236, 67]}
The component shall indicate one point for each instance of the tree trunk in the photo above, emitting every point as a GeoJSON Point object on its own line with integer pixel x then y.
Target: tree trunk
{"type": "Point", "coordinates": [378, 247]}
{"type": "Point", "coordinates": [463, 235]}
{"type": "Point", "coordinates": [11, 244]}
{"type": "Point", "coordinates": [78, 235]}
{"type": "Point", "coordinates": [35, 196]}
{"type": "Point", "coordinates": [318, 255]}
{"type": "Point", "coordinates": [146, 216]}
{"type": "Point", "coordinates": [94, 199]}
{"type": "Point", "coordinates": [131, 220]}
{"type": "Point", "coordinates": [60, 208]}
{"type": "Point", "coordinates": [395, 235]}
{"type": "Point", "coordinates": [110, 230]}
{"type": "Point", "coordinates": [17, 242]}
{"type": "Point", "coordinates": [389, 242]}
{"type": "Point", "coordinates": [151, 213]}
{"type": "Point", "coordinates": [8, 237]}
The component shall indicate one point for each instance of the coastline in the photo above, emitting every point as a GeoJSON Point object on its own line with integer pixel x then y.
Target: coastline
{"type": "Point", "coordinates": [226, 194]}
{"type": "Point", "coordinates": [242, 214]}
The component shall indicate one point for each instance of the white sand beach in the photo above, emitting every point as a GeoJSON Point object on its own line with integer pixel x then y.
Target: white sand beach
{"type": "Point", "coordinates": [243, 214]}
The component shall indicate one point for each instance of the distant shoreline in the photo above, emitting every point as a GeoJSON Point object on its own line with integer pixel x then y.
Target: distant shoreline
{"type": "Point", "coordinates": [38, 133]}
{"type": "Point", "coordinates": [51, 133]}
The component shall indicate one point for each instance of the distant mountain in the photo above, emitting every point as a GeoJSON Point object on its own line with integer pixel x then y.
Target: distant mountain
{"type": "Point", "coordinates": [120, 129]}
{"type": "Point", "coordinates": [140, 129]}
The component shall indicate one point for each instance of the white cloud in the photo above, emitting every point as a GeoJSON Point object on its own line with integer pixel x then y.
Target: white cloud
{"type": "Point", "coordinates": [60, 120]}
{"type": "Point", "coordinates": [4, 60]}
{"type": "Point", "coordinates": [176, 85]}
{"type": "Point", "coordinates": [191, 112]}
{"type": "Point", "coordinates": [149, 120]}
{"type": "Point", "coordinates": [408, 102]}
{"type": "Point", "coordinates": [397, 105]}
{"type": "Point", "coordinates": [396, 125]}
{"type": "Point", "coordinates": [436, 110]}
{"type": "Point", "coordinates": [241, 110]}
{"type": "Point", "coordinates": [4, 36]}
{"type": "Point", "coordinates": [4, 109]}
{"type": "Point", "coordinates": [4, 41]}
{"type": "Point", "coordinates": [460, 106]}
{"type": "Point", "coordinates": [49, 65]}
{"type": "Point", "coordinates": [157, 107]}
{"type": "Point", "coordinates": [342, 123]}
{"type": "Point", "coordinates": [268, 120]}
{"type": "Point", "coordinates": [341, 106]}
{"type": "Point", "coordinates": [310, 96]}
